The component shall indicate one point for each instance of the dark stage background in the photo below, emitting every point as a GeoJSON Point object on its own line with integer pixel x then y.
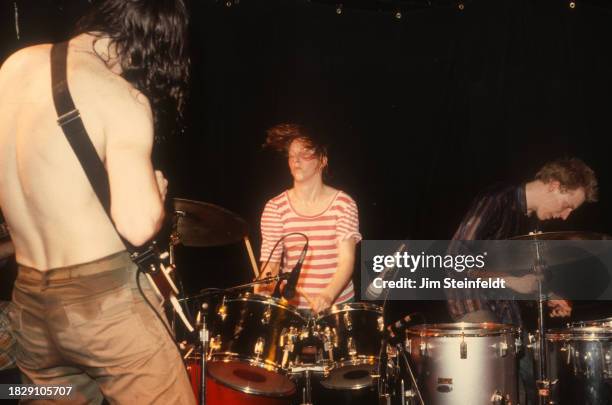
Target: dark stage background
{"type": "Point", "coordinates": [422, 111]}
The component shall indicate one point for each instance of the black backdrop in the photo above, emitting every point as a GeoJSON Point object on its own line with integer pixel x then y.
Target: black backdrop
{"type": "Point", "coordinates": [422, 111]}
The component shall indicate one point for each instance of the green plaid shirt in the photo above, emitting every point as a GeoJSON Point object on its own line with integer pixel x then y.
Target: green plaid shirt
{"type": "Point", "coordinates": [7, 340]}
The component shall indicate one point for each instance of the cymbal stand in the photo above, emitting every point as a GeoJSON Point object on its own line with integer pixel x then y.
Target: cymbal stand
{"type": "Point", "coordinates": [542, 381]}
{"type": "Point", "coordinates": [415, 388]}
{"type": "Point", "coordinates": [383, 384]}
{"type": "Point", "coordinates": [307, 390]}
{"type": "Point", "coordinates": [204, 345]}
{"type": "Point", "coordinates": [383, 397]}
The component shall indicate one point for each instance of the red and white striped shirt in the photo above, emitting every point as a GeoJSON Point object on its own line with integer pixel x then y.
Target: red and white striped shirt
{"type": "Point", "coordinates": [325, 231]}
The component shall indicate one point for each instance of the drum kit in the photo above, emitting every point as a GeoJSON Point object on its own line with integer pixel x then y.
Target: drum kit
{"type": "Point", "coordinates": [259, 350]}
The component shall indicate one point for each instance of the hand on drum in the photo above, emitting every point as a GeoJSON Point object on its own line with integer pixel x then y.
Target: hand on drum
{"type": "Point", "coordinates": [264, 288]}
{"type": "Point", "coordinates": [321, 302]}
{"type": "Point", "coordinates": [560, 308]}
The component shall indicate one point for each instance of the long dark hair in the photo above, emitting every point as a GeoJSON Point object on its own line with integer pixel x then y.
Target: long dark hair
{"type": "Point", "coordinates": [150, 37]}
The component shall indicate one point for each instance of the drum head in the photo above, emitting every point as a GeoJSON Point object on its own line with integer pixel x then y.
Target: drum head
{"type": "Point", "coordinates": [352, 377]}
{"type": "Point", "coordinates": [250, 379]}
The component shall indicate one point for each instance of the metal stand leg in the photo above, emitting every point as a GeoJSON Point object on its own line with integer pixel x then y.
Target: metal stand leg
{"type": "Point", "coordinates": [383, 387]}
{"type": "Point", "coordinates": [542, 381]}
{"type": "Point", "coordinates": [204, 345]}
{"type": "Point", "coordinates": [307, 390]}
{"type": "Point", "coordinates": [415, 387]}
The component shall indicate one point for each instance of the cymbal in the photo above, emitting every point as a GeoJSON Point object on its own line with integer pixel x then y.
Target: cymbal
{"type": "Point", "coordinates": [564, 235]}
{"type": "Point", "coordinates": [203, 224]}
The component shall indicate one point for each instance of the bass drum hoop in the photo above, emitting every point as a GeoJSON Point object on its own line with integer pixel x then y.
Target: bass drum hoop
{"type": "Point", "coordinates": [227, 358]}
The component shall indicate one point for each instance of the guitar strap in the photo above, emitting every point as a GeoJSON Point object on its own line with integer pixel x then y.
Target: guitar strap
{"type": "Point", "coordinates": [69, 119]}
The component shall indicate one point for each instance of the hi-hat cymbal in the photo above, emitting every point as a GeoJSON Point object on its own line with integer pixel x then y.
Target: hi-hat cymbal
{"type": "Point", "coordinates": [564, 235]}
{"type": "Point", "coordinates": [203, 224]}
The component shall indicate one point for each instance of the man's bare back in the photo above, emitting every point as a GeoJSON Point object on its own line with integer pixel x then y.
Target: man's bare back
{"type": "Point", "coordinates": [54, 216]}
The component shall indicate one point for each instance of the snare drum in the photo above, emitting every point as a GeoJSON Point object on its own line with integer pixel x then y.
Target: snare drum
{"type": "Point", "coordinates": [352, 335]}
{"type": "Point", "coordinates": [252, 345]}
{"type": "Point", "coordinates": [580, 360]}
{"type": "Point", "coordinates": [464, 363]}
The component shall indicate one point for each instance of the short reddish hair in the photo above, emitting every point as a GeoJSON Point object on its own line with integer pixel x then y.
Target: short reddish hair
{"type": "Point", "coordinates": [571, 173]}
{"type": "Point", "coordinates": [280, 137]}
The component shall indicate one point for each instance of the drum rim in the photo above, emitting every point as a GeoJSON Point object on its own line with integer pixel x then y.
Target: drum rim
{"type": "Point", "coordinates": [249, 390]}
{"type": "Point", "coordinates": [591, 333]}
{"type": "Point", "coordinates": [277, 302]}
{"type": "Point", "coordinates": [471, 329]}
{"type": "Point", "coordinates": [349, 307]}
{"type": "Point", "coordinates": [356, 361]}
{"type": "Point", "coordinates": [592, 323]}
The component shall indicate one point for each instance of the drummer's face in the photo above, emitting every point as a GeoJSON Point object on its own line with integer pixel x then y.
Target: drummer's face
{"type": "Point", "coordinates": [560, 203]}
{"type": "Point", "coordinates": [304, 162]}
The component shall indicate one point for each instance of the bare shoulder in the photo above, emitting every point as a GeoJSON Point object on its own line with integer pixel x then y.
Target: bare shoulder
{"type": "Point", "coordinates": [24, 60]}
{"type": "Point", "coordinates": [120, 106]}
{"type": "Point", "coordinates": [115, 94]}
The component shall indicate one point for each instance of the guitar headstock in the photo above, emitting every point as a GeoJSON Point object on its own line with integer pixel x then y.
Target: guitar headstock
{"type": "Point", "coordinates": [151, 259]}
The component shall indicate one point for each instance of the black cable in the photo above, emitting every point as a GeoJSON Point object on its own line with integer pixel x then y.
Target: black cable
{"type": "Point", "coordinates": [155, 311]}
{"type": "Point", "coordinates": [274, 248]}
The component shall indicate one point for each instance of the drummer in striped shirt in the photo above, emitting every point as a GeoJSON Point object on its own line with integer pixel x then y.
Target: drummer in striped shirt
{"type": "Point", "coordinates": [326, 215]}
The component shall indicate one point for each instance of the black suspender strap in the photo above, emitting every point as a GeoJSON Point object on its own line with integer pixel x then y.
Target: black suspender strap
{"type": "Point", "coordinates": [69, 119]}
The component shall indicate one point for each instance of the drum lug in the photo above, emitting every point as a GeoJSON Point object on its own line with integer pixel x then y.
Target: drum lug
{"type": "Point", "coordinates": [266, 315]}
{"type": "Point", "coordinates": [408, 345]}
{"type": "Point", "coordinates": [531, 341]}
{"type": "Point", "coordinates": [215, 343]}
{"type": "Point", "coordinates": [589, 372]}
{"type": "Point", "coordinates": [423, 348]}
{"type": "Point", "coordinates": [499, 399]}
{"type": "Point", "coordinates": [518, 341]}
{"type": "Point", "coordinates": [503, 349]}
{"type": "Point", "coordinates": [222, 311]}
{"type": "Point", "coordinates": [330, 340]}
{"type": "Point", "coordinates": [381, 324]}
{"type": "Point", "coordinates": [347, 321]}
{"type": "Point", "coordinates": [352, 349]}
{"type": "Point", "coordinates": [259, 346]}
{"type": "Point", "coordinates": [463, 348]}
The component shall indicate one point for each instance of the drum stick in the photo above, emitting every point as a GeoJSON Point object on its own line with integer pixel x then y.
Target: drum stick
{"type": "Point", "coordinates": [249, 249]}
